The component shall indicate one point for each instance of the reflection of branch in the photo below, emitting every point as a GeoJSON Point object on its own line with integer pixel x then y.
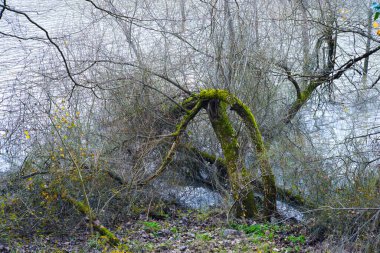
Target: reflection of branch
{"type": "Point", "coordinates": [3, 8]}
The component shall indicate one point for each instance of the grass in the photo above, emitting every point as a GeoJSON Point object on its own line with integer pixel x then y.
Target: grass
{"type": "Point", "coordinates": [296, 239]}
{"type": "Point", "coordinates": [203, 237]}
{"type": "Point", "coordinates": [151, 226]}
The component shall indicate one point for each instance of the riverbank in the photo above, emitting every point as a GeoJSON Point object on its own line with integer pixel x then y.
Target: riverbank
{"type": "Point", "coordinates": [179, 231]}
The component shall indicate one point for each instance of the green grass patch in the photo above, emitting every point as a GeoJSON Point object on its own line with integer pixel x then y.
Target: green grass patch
{"type": "Point", "coordinates": [203, 237]}
{"type": "Point", "coordinates": [296, 239]}
{"type": "Point", "coordinates": [151, 226]}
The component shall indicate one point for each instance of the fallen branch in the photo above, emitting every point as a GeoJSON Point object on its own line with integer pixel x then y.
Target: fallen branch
{"type": "Point", "coordinates": [84, 209]}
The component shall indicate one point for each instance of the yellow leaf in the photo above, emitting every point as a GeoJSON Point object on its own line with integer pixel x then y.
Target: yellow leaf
{"type": "Point", "coordinates": [375, 25]}
{"type": "Point", "coordinates": [27, 135]}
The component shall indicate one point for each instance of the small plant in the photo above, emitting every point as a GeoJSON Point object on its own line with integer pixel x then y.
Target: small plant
{"type": "Point", "coordinates": [257, 229]}
{"type": "Point", "coordinates": [96, 242]}
{"type": "Point", "coordinates": [297, 239]}
{"type": "Point", "coordinates": [204, 237]}
{"type": "Point", "coordinates": [151, 226]}
{"type": "Point", "coordinates": [174, 230]}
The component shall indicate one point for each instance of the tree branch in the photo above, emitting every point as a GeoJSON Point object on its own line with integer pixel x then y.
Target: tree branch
{"type": "Point", "coordinates": [314, 84]}
{"type": "Point", "coordinates": [3, 8]}
{"type": "Point", "coordinates": [291, 78]}
{"type": "Point", "coordinates": [65, 62]}
{"type": "Point", "coordinates": [177, 134]}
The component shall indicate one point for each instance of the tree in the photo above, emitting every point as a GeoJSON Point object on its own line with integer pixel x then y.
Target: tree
{"type": "Point", "coordinates": [245, 48]}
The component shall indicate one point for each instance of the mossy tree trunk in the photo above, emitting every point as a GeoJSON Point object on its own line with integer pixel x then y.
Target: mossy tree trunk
{"type": "Point", "coordinates": [217, 102]}
{"type": "Point", "coordinates": [239, 181]}
{"type": "Point", "coordinates": [249, 120]}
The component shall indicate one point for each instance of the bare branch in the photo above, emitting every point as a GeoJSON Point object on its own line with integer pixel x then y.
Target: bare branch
{"type": "Point", "coordinates": [3, 8]}
{"type": "Point", "coordinates": [291, 78]}
{"type": "Point", "coordinates": [162, 76]}
{"type": "Point", "coordinates": [67, 68]}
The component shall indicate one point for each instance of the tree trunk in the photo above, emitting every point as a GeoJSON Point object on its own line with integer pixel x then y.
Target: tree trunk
{"type": "Point", "coordinates": [367, 47]}
{"type": "Point", "coordinates": [249, 120]}
{"type": "Point", "coordinates": [239, 181]}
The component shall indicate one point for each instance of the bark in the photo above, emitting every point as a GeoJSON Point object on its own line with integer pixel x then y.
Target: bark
{"type": "Point", "coordinates": [249, 120]}
{"type": "Point", "coordinates": [367, 46]}
{"type": "Point", "coordinates": [239, 181]}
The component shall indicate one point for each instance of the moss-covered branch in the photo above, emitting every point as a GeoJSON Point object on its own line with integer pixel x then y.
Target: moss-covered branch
{"type": "Point", "coordinates": [301, 100]}
{"type": "Point", "coordinates": [181, 127]}
{"type": "Point", "coordinates": [84, 209]}
{"type": "Point", "coordinates": [330, 74]}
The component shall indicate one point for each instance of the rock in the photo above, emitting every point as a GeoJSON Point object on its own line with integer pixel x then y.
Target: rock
{"type": "Point", "coordinates": [231, 232]}
{"type": "Point", "coordinates": [164, 232]}
{"type": "Point", "coordinates": [182, 248]}
{"type": "Point", "coordinates": [273, 220]}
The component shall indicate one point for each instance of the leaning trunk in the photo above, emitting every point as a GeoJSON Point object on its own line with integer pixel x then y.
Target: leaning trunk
{"type": "Point", "coordinates": [239, 180]}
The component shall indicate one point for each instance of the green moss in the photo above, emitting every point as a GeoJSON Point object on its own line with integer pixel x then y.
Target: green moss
{"type": "Point", "coordinates": [84, 209]}
{"type": "Point", "coordinates": [207, 157]}
{"type": "Point", "coordinates": [301, 100]}
{"type": "Point", "coordinates": [187, 118]}
{"type": "Point", "coordinates": [227, 137]}
{"type": "Point", "coordinates": [224, 128]}
{"type": "Point", "coordinates": [218, 101]}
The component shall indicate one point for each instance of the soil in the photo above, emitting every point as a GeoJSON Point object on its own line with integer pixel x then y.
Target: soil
{"type": "Point", "coordinates": [177, 232]}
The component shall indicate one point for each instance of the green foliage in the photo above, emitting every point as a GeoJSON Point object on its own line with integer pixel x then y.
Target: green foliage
{"type": "Point", "coordinates": [174, 230]}
{"type": "Point", "coordinates": [296, 239]}
{"type": "Point", "coordinates": [203, 237]}
{"type": "Point", "coordinates": [151, 226]}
